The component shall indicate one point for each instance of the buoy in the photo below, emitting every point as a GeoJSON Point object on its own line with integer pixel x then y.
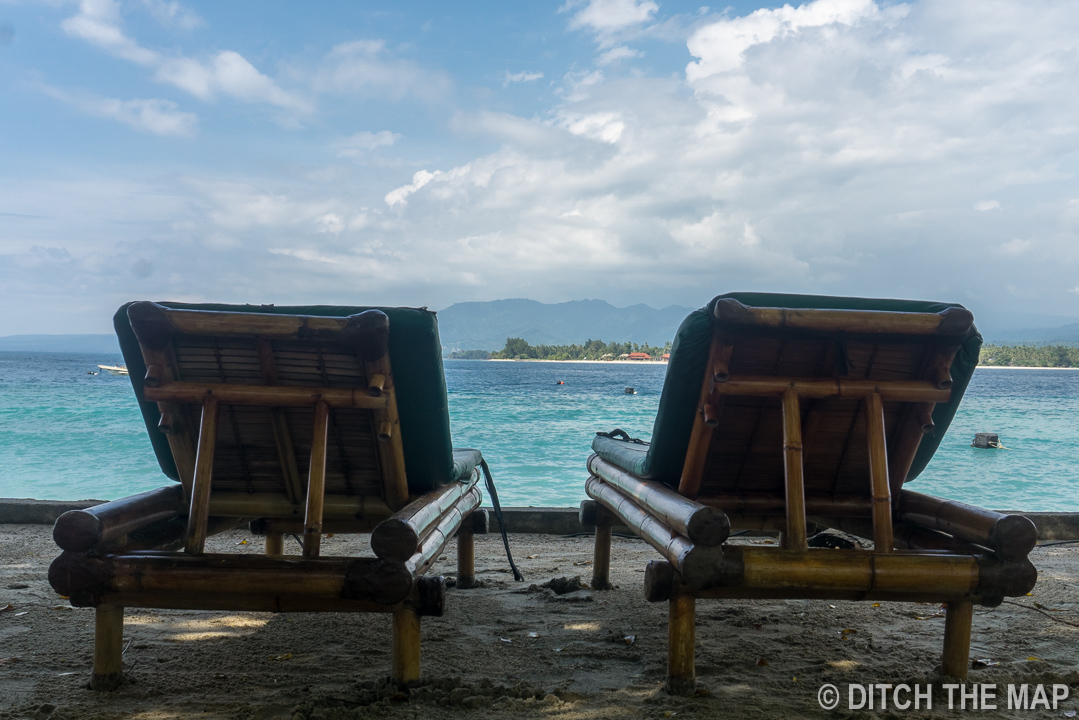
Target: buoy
{"type": "Point", "coordinates": [987, 441]}
{"type": "Point", "coordinates": [560, 382]}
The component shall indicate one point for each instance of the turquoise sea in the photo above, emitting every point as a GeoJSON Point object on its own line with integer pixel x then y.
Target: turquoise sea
{"type": "Point", "coordinates": [67, 435]}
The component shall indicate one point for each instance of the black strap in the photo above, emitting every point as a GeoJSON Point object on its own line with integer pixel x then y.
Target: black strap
{"type": "Point", "coordinates": [498, 516]}
{"type": "Point", "coordinates": [620, 434]}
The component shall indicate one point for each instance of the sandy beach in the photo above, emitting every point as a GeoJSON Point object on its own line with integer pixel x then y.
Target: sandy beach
{"type": "Point", "coordinates": [517, 650]}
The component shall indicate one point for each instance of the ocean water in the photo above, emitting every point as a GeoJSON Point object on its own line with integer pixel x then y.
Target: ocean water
{"type": "Point", "coordinates": [67, 435]}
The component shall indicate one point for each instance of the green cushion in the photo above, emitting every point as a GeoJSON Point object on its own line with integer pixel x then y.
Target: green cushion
{"type": "Point", "coordinates": [416, 356]}
{"type": "Point", "coordinates": [663, 459]}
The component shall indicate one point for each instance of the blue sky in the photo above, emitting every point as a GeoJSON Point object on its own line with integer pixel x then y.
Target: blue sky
{"type": "Point", "coordinates": [628, 150]}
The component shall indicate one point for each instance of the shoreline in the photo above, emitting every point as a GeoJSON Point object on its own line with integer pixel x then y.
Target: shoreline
{"type": "Point", "coordinates": [664, 362]}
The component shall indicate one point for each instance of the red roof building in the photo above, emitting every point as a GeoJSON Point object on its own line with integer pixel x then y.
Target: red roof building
{"type": "Point", "coordinates": [640, 356]}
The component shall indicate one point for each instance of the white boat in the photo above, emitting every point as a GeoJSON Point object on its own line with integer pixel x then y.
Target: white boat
{"type": "Point", "coordinates": [114, 369]}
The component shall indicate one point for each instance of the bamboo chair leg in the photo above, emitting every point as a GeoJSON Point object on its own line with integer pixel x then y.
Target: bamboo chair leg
{"type": "Point", "coordinates": [406, 646]}
{"type": "Point", "coordinates": [957, 639]}
{"type": "Point", "coordinates": [601, 558]}
{"type": "Point", "coordinates": [466, 555]}
{"type": "Point", "coordinates": [681, 637]}
{"type": "Point", "coordinates": [275, 543]}
{"type": "Point", "coordinates": [108, 648]}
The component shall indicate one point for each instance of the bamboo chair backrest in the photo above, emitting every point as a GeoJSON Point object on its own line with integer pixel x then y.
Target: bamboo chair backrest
{"type": "Point", "coordinates": [833, 359]}
{"type": "Point", "coordinates": [268, 373]}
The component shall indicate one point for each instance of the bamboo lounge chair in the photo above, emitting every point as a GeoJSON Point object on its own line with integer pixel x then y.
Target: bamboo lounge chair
{"type": "Point", "coordinates": [290, 417]}
{"type": "Point", "coordinates": [783, 409]}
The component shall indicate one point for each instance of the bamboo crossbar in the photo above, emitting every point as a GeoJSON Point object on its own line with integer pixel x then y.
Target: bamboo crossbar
{"type": "Point", "coordinates": [949, 322]}
{"type": "Point", "coordinates": [81, 530]}
{"type": "Point", "coordinates": [1012, 537]}
{"type": "Point", "coordinates": [278, 505]}
{"type": "Point", "coordinates": [850, 505]}
{"type": "Point", "coordinates": [702, 524]}
{"type": "Point", "coordinates": [398, 538]}
{"type": "Point", "coordinates": [155, 325]}
{"type": "Point", "coordinates": [435, 541]}
{"type": "Point", "coordinates": [891, 390]}
{"type": "Point", "coordinates": [750, 572]}
{"type": "Point", "coordinates": [264, 395]}
{"type": "Point", "coordinates": [256, 575]}
{"type": "Point", "coordinates": [697, 564]}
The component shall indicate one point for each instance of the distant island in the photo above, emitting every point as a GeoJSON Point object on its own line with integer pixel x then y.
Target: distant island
{"type": "Point", "coordinates": [519, 349]}
{"type": "Point", "coordinates": [1047, 356]}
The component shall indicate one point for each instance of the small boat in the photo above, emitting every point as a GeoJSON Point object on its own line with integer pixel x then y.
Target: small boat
{"type": "Point", "coordinates": [114, 369]}
{"type": "Point", "coordinates": [630, 391]}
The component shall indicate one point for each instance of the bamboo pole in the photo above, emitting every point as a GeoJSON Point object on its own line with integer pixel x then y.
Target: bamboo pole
{"type": "Point", "coordinates": [1012, 537]}
{"type": "Point", "coordinates": [794, 538]}
{"type": "Point", "coordinates": [878, 470]}
{"type": "Point", "coordinates": [264, 395]}
{"type": "Point", "coordinates": [697, 564]}
{"type": "Point", "coordinates": [955, 321]}
{"type": "Point", "coordinates": [391, 450]}
{"type": "Point", "coordinates": [850, 504]}
{"type": "Point", "coordinates": [700, 438]}
{"type": "Point", "coordinates": [173, 416]}
{"type": "Point", "coordinates": [345, 526]}
{"type": "Point", "coordinates": [108, 648]}
{"type": "Point", "coordinates": [957, 626]}
{"type": "Point", "coordinates": [163, 572]}
{"type": "Point", "coordinates": [435, 541]}
{"type": "Point", "coordinates": [406, 647]}
{"type": "Point", "coordinates": [906, 437]}
{"type": "Point", "coordinates": [278, 505]}
{"type": "Point", "coordinates": [681, 638]}
{"type": "Point", "coordinates": [816, 388]}
{"type": "Point", "coordinates": [466, 555]}
{"type": "Point", "coordinates": [397, 538]}
{"type": "Point", "coordinates": [275, 543]}
{"type": "Point", "coordinates": [702, 524]}
{"type": "Point", "coordinates": [316, 483]}
{"type": "Point", "coordinates": [166, 535]}
{"type": "Point", "coordinates": [81, 530]}
{"type": "Point", "coordinates": [232, 324]}
{"type": "Point", "coordinates": [286, 453]}
{"type": "Point", "coordinates": [199, 514]}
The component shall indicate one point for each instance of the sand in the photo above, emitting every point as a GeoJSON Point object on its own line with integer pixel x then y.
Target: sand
{"type": "Point", "coordinates": [516, 650]}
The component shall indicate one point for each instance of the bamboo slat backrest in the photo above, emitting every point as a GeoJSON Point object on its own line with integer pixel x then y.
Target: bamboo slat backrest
{"type": "Point", "coordinates": [267, 374]}
{"type": "Point", "coordinates": [834, 360]}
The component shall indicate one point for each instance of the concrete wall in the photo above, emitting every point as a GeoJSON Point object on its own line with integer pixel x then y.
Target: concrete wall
{"type": "Point", "coordinates": [546, 521]}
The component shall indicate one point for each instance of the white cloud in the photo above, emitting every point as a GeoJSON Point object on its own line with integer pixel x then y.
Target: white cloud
{"type": "Point", "coordinates": [521, 77]}
{"type": "Point", "coordinates": [362, 143]}
{"type": "Point", "coordinates": [227, 73]}
{"type": "Point", "coordinates": [1016, 246]}
{"type": "Point", "coordinates": [616, 54]}
{"type": "Point", "coordinates": [155, 115]}
{"type": "Point", "coordinates": [172, 14]}
{"type": "Point", "coordinates": [609, 16]}
{"type": "Point", "coordinates": [98, 22]}
{"type": "Point", "coordinates": [421, 178]}
{"type": "Point", "coordinates": [365, 67]}
{"type": "Point", "coordinates": [986, 205]}
{"type": "Point", "coordinates": [721, 45]}
{"type": "Point", "coordinates": [604, 126]}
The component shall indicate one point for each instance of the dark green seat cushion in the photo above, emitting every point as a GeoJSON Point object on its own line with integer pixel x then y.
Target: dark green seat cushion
{"type": "Point", "coordinates": [416, 356]}
{"type": "Point", "coordinates": [663, 459]}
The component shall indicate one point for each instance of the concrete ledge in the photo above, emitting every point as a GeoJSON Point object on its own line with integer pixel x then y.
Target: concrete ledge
{"type": "Point", "coordinates": [538, 520]}
{"type": "Point", "coordinates": [22, 511]}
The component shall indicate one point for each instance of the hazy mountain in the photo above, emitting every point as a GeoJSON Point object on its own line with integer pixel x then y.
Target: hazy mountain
{"type": "Point", "coordinates": [60, 343]}
{"type": "Point", "coordinates": [486, 325]}
{"type": "Point", "coordinates": [1063, 335]}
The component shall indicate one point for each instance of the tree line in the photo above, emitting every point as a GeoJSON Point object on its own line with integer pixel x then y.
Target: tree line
{"type": "Point", "coordinates": [1060, 356]}
{"type": "Point", "coordinates": [521, 349]}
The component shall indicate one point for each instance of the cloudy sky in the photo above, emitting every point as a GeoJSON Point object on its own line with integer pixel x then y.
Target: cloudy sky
{"type": "Point", "coordinates": [626, 150]}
